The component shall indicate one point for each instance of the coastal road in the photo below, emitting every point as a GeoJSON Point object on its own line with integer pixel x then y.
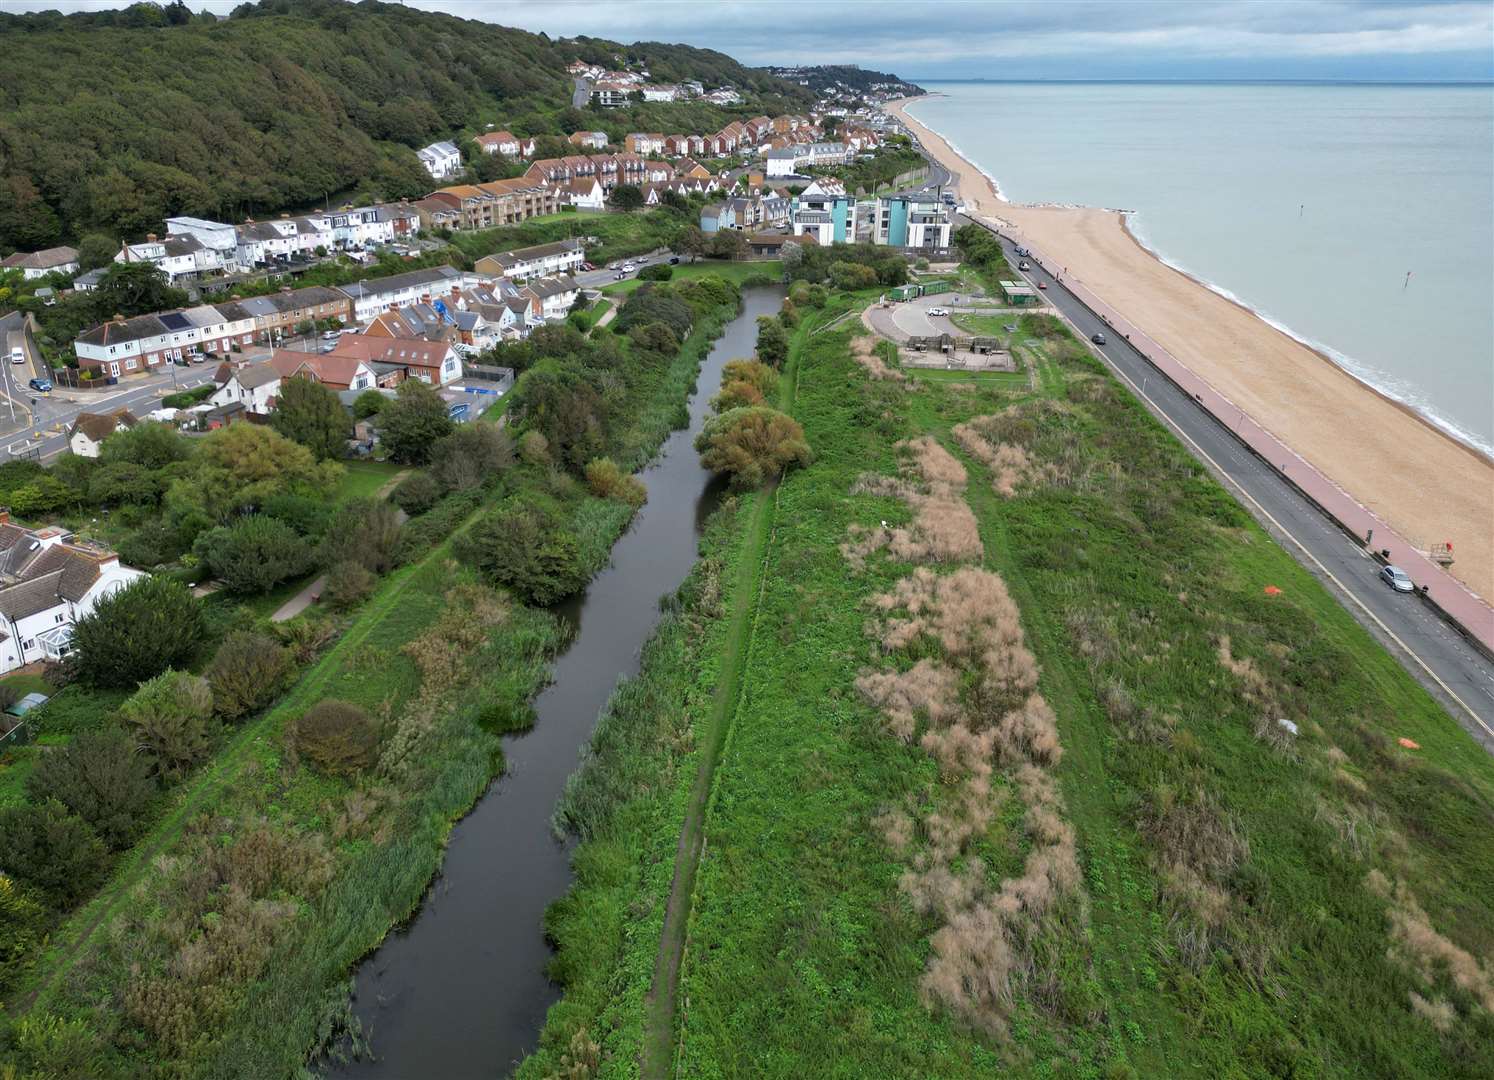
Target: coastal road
{"type": "Point", "coordinates": [1431, 650]}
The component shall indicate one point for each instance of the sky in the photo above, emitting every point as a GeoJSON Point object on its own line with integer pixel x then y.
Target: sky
{"type": "Point", "coordinates": [1027, 39]}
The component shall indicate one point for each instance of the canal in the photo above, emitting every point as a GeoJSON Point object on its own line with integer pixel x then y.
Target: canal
{"type": "Point", "coordinates": [461, 991]}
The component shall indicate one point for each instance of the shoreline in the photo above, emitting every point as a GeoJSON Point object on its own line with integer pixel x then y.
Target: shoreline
{"type": "Point", "coordinates": [1358, 436]}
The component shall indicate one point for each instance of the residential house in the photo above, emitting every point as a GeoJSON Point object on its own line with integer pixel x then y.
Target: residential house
{"type": "Point", "coordinates": [89, 280]}
{"type": "Point", "coordinates": [676, 145]}
{"type": "Point", "coordinates": [717, 216]}
{"type": "Point", "coordinates": [693, 171]}
{"type": "Point", "coordinates": [35, 264]}
{"type": "Point", "coordinates": [499, 142]}
{"type": "Point", "coordinates": [434, 362]}
{"type": "Point", "coordinates": [644, 143]}
{"type": "Point", "coordinates": [610, 95]}
{"type": "Point", "coordinates": [560, 257]}
{"type": "Point", "coordinates": [278, 314]}
{"type": "Point", "coordinates": [919, 221]}
{"type": "Point", "coordinates": [374, 296]}
{"type": "Point", "coordinates": [254, 386]}
{"type": "Point", "coordinates": [584, 193]}
{"type": "Point", "coordinates": [48, 581]}
{"type": "Point", "coordinates": [437, 212]}
{"type": "Point", "coordinates": [441, 160]}
{"type": "Point", "coordinates": [90, 429]}
{"type": "Point", "coordinates": [497, 202]}
{"type": "Point", "coordinates": [556, 295]}
{"type": "Point", "coordinates": [824, 210]}
{"type": "Point", "coordinates": [122, 346]}
{"type": "Point", "coordinates": [661, 92]}
{"type": "Point", "coordinates": [181, 258]}
{"type": "Point", "coordinates": [588, 140]}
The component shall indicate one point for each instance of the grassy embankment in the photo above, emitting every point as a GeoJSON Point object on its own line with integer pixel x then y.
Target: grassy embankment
{"type": "Point", "coordinates": [739, 272]}
{"type": "Point", "coordinates": [621, 235]}
{"type": "Point", "coordinates": [1247, 902]}
{"type": "Point", "coordinates": [452, 666]}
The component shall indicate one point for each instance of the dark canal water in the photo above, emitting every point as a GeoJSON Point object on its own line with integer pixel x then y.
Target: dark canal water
{"type": "Point", "coordinates": [461, 991]}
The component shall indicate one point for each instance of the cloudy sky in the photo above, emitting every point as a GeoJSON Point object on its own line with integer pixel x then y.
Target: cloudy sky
{"type": "Point", "coordinates": [1046, 39]}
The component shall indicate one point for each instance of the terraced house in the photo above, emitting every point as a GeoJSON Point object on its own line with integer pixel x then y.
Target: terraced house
{"type": "Point", "coordinates": [497, 202]}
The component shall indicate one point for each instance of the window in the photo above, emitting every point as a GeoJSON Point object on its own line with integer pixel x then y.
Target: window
{"type": "Point", "coordinates": [61, 618]}
{"type": "Point", "coordinates": [28, 645]}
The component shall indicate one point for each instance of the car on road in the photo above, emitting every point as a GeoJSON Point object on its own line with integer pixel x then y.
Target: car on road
{"type": "Point", "coordinates": [612, 266]}
{"type": "Point", "coordinates": [1098, 339]}
{"type": "Point", "coordinates": [587, 266]}
{"type": "Point", "coordinates": [1043, 285]}
{"type": "Point", "coordinates": [674, 260]}
{"type": "Point", "coordinates": [43, 385]}
{"type": "Point", "coordinates": [618, 276]}
{"type": "Point", "coordinates": [1397, 579]}
{"type": "Point", "coordinates": [1023, 265]}
{"type": "Point", "coordinates": [938, 311]}
{"type": "Point", "coordinates": [628, 268]}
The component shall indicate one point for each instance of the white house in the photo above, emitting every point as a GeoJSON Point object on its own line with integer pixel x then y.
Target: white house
{"type": "Point", "coordinates": [48, 581]}
{"type": "Point", "coordinates": [89, 430]}
{"type": "Point", "coordinates": [661, 92]}
{"type": "Point", "coordinates": [35, 264]}
{"type": "Point", "coordinates": [441, 160]}
{"type": "Point", "coordinates": [560, 257]}
{"type": "Point", "coordinates": [255, 385]}
{"type": "Point", "coordinates": [181, 258]}
{"type": "Point", "coordinates": [374, 296]}
{"type": "Point", "coordinates": [555, 294]}
{"type": "Point", "coordinates": [585, 193]}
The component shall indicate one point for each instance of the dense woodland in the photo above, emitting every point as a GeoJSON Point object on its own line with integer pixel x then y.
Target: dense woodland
{"type": "Point", "coordinates": [112, 121]}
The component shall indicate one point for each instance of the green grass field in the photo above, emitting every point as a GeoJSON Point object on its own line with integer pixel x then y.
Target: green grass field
{"type": "Point", "coordinates": [1249, 903]}
{"type": "Point", "coordinates": [731, 271]}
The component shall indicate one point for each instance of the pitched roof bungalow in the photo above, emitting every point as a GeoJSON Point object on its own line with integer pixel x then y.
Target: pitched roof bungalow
{"type": "Point", "coordinates": [35, 264]}
{"type": "Point", "coordinates": [90, 429]}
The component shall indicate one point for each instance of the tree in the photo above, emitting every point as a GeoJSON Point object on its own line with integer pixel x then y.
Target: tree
{"type": "Point", "coordinates": [239, 467]}
{"type": "Point", "coordinates": [96, 250]}
{"type": "Point", "coordinates": [170, 715]}
{"type": "Point", "coordinates": [470, 455]}
{"type": "Point", "coordinates": [752, 444]}
{"type": "Point", "coordinates": [122, 482]}
{"type": "Point", "coordinates": [728, 244]}
{"type": "Point", "coordinates": [247, 671]}
{"type": "Point", "coordinates": [337, 737]}
{"type": "Point", "coordinates": [626, 197]}
{"type": "Point", "coordinates": [527, 548]}
{"type": "Point", "coordinates": [365, 531]}
{"type": "Point", "coordinates": [134, 288]}
{"type": "Point", "coordinates": [745, 382]}
{"type": "Point", "coordinates": [310, 413]}
{"type": "Point", "coordinates": [348, 582]}
{"type": "Point", "coordinates": [137, 632]}
{"type": "Point", "coordinates": [692, 242]}
{"type": "Point", "coordinates": [416, 493]}
{"type": "Point", "coordinates": [148, 444]}
{"type": "Point", "coordinates": [47, 846]}
{"type": "Point", "coordinates": [254, 554]}
{"type": "Point", "coordinates": [368, 404]}
{"type": "Point", "coordinates": [772, 341]}
{"type": "Point", "coordinates": [563, 406]}
{"type": "Point", "coordinates": [412, 422]}
{"type": "Point", "coordinates": [100, 777]}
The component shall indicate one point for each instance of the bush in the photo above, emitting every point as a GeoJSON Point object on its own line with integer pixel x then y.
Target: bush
{"type": "Point", "coordinates": [368, 403]}
{"type": "Point", "coordinates": [348, 583]}
{"type": "Point", "coordinates": [527, 549]}
{"type": "Point", "coordinates": [656, 272]}
{"type": "Point", "coordinates": [416, 493]}
{"type": "Point", "coordinates": [152, 544]}
{"type": "Point", "coordinates": [850, 276]}
{"type": "Point", "coordinates": [337, 737]}
{"type": "Point", "coordinates": [606, 480]}
{"type": "Point", "coordinates": [123, 482]}
{"type": "Point", "coordinates": [149, 445]}
{"type": "Point", "coordinates": [534, 448]}
{"type": "Point", "coordinates": [101, 778]}
{"type": "Point", "coordinates": [52, 849]}
{"type": "Point", "coordinates": [470, 455]}
{"type": "Point", "coordinates": [365, 531]}
{"type": "Point", "coordinates": [246, 672]}
{"type": "Point", "coordinates": [170, 715]}
{"type": "Point", "coordinates": [146, 627]}
{"type": "Point", "coordinates": [752, 444]}
{"type": "Point", "coordinates": [745, 382]}
{"type": "Point", "coordinates": [254, 554]}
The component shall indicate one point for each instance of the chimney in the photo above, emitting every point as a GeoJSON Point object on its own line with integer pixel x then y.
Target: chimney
{"type": "Point", "coordinates": [150, 238]}
{"type": "Point", "coordinates": [118, 317]}
{"type": "Point", "coordinates": [238, 296]}
{"type": "Point", "coordinates": [283, 216]}
{"type": "Point", "coordinates": [4, 515]}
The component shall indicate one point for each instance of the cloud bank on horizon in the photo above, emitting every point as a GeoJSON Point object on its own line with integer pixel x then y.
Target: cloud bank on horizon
{"type": "Point", "coordinates": [1293, 39]}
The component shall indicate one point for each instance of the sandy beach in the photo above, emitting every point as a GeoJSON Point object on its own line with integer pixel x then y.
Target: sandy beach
{"type": "Point", "coordinates": [1425, 484]}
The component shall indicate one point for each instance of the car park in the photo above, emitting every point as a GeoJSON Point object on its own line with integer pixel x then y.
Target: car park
{"type": "Point", "coordinates": [1098, 339]}
{"type": "Point", "coordinates": [1397, 579]}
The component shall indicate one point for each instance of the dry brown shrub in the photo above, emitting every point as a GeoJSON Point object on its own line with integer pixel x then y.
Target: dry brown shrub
{"type": "Point", "coordinates": [932, 484]}
{"type": "Point", "coordinates": [1030, 733]}
{"type": "Point", "coordinates": [1438, 1012]}
{"type": "Point", "coordinates": [897, 829]}
{"type": "Point", "coordinates": [928, 689]}
{"type": "Point", "coordinates": [1253, 684]}
{"type": "Point", "coordinates": [1191, 829]}
{"type": "Point", "coordinates": [863, 349]}
{"type": "Point", "coordinates": [1337, 756]}
{"type": "Point", "coordinates": [1358, 829]}
{"type": "Point", "coordinates": [1416, 944]}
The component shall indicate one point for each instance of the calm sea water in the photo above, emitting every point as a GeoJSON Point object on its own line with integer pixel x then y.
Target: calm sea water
{"type": "Point", "coordinates": [1308, 203]}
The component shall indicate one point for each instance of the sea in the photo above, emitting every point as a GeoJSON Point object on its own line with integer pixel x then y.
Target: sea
{"type": "Point", "coordinates": [1359, 218]}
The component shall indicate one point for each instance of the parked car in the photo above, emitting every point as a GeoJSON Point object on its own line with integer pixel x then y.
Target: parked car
{"type": "Point", "coordinates": [325, 348]}
{"type": "Point", "coordinates": [1397, 579]}
{"type": "Point", "coordinates": [1098, 339]}
{"type": "Point", "coordinates": [674, 260]}
{"type": "Point", "coordinates": [43, 385]}
{"type": "Point", "coordinates": [938, 311]}
{"type": "Point", "coordinates": [331, 335]}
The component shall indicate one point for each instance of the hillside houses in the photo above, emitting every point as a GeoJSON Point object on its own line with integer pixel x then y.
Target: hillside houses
{"type": "Point", "coordinates": [48, 581]}
{"type": "Point", "coordinates": [484, 206]}
{"type": "Point", "coordinates": [588, 140]}
{"type": "Point", "coordinates": [561, 257]}
{"type": "Point", "coordinates": [505, 143]}
{"type": "Point", "coordinates": [441, 159]}
{"type": "Point", "coordinates": [36, 264]}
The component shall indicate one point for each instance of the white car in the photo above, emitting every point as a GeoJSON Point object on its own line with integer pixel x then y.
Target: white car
{"type": "Point", "coordinates": [938, 311]}
{"type": "Point", "coordinates": [628, 268]}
